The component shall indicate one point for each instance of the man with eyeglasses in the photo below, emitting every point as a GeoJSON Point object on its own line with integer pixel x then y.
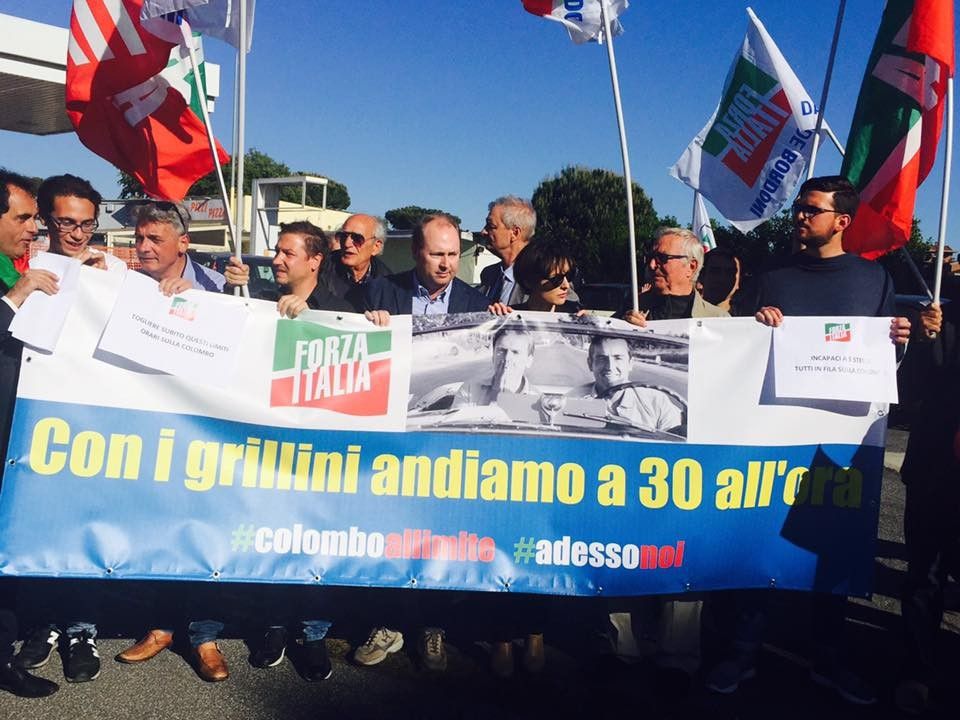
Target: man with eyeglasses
{"type": "Point", "coordinates": [18, 228]}
{"type": "Point", "coordinates": [511, 223]}
{"type": "Point", "coordinates": [672, 269]}
{"type": "Point", "coordinates": [356, 263]}
{"type": "Point", "coordinates": [821, 279]}
{"type": "Point", "coordinates": [70, 207]}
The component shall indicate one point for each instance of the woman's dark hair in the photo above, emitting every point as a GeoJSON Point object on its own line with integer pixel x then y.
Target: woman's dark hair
{"type": "Point", "coordinates": [539, 260]}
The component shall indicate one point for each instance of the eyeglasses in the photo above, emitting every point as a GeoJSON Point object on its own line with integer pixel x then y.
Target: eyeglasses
{"type": "Point", "coordinates": [343, 235]}
{"type": "Point", "coordinates": [68, 225]}
{"type": "Point", "coordinates": [809, 211]}
{"type": "Point", "coordinates": [555, 281]}
{"type": "Point", "coordinates": [663, 258]}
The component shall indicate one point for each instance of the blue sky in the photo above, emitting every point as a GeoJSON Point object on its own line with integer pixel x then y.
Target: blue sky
{"type": "Point", "coordinates": [450, 104]}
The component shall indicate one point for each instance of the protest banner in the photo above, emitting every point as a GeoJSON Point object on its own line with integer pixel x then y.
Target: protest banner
{"type": "Point", "coordinates": [601, 458]}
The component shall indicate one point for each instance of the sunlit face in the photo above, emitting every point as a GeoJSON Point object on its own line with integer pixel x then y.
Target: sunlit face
{"type": "Point", "coordinates": [438, 258]}
{"type": "Point", "coordinates": [18, 225]}
{"type": "Point", "coordinates": [555, 289]}
{"type": "Point", "coordinates": [818, 230]}
{"type": "Point", "coordinates": [671, 270]}
{"type": "Point", "coordinates": [512, 355]}
{"type": "Point", "coordinates": [610, 362]}
{"type": "Point", "coordinates": [75, 211]}
{"type": "Point", "coordinates": [160, 248]}
{"type": "Point", "coordinates": [292, 263]}
{"type": "Point", "coordinates": [359, 256]}
{"type": "Point", "coordinates": [499, 235]}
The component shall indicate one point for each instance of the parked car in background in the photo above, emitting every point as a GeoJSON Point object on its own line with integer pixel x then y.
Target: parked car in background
{"type": "Point", "coordinates": [605, 298]}
{"type": "Point", "coordinates": [262, 278]}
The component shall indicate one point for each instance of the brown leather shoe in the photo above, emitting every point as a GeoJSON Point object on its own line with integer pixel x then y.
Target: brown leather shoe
{"type": "Point", "coordinates": [210, 662]}
{"type": "Point", "coordinates": [153, 643]}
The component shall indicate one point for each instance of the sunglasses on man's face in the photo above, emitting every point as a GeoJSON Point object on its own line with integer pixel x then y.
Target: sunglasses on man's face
{"type": "Point", "coordinates": [810, 211]}
{"type": "Point", "coordinates": [662, 259]}
{"type": "Point", "coordinates": [343, 235]}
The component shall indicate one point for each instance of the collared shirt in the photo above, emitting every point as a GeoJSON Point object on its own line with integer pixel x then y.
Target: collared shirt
{"type": "Point", "coordinates": [423, 305]}
{"type": "Point", "coordinates": [212, 276]}
{"type": "Point", "coordinates": [507, 284]}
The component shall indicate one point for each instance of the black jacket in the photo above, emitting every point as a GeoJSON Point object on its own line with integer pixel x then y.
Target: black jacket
{"type": "Point", "coordinates": [394, 293]}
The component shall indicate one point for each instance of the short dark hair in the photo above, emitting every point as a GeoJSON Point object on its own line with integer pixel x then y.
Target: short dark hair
{"type": "Point", "coordinates": [314, 239]}
{"type": "Point", "coordinates": [846, 199]}
{"type": "Point", "coordinates": [513, 330]}
{"type": "Point", "coordinates": [538, 260]}
{"type": "Point", "coordinates": [66, 186]}
{"type": "Point", "coordinates": [597, 340]}
{"type": "Point", "coordinates": [719, 274]}
{"type": "Point", "coordinates": [9, 179]}
{"type": "Point", "coordinates": [417, 239]}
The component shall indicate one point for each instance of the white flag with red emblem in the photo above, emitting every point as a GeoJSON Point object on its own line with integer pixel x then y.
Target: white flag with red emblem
{"type": "Point", "coordinates": [121, 104]}
{"type": "Point", "coordinates": [581, 17]}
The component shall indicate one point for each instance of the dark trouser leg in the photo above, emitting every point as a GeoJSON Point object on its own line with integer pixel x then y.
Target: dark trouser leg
{"type": "Point", "coordinates": [8, 634]}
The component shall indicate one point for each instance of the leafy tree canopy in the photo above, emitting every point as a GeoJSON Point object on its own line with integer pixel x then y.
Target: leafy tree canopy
{"type": "Point", "coordinates": [405, 218]}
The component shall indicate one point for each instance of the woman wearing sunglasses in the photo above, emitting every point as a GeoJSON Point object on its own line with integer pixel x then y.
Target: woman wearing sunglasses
{"type": "Point", "coordinates": [545, 272]}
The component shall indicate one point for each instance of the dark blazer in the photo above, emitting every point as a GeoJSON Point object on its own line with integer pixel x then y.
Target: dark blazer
{"type": "Point", "coordinates": [333, 278]}
{"type": "Point", "coordinates": [490, 278]}
{"type": "Point", "coordinates": [319, 299]}
{"type": "Point", "coordinates": [394, 293]}
{"type": "Point", "coordinates": [10, 351]}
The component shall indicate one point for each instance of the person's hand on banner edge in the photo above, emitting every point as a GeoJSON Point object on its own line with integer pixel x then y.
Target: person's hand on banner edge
{"type": "Point", "coordinates": [33, 279]}
{"type": "Point", "coordinates": [931, 321]}
{"type": "Point", "coordinates": [236, 272]}
{"type": "Point", "coordinates": [769, 316]}
{"type": "Point", "coordinates": [636, 317]}
{"type": "Point", "coordinates": [93, 258]}
{"type": "Point", "coordinates": [380, 318]}
{"type": "Point", "coordinates": [290, 306]}
{"type": "Point", "coordinates": [900, 330]}
{"type": "Point", "coordinates": [174, 286]}
{"type": "Point", "coordinates": [499, 308]}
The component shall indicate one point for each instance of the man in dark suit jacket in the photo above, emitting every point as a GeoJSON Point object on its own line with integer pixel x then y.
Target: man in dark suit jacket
{"type": "Point", "coordinates": [432, 287]}
{"type": "Point", "coordinates": [18, 228]}
{"type": "Point", "coordinates": [511, 222]}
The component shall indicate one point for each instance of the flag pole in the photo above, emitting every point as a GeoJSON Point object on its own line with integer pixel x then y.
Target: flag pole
{"type": "Point", "coordinates": [187, 38]}
{"type": "Point", "coordinates": [945, 198]}
{"type": "Point", "coordinates": [826, 89]}
{"type": "Point", "coordinates": [241, 101]}
{"type": "Point", "coordinates": [608, 35]}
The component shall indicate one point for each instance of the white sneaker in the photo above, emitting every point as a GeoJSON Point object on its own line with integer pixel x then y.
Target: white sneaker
{"type": "Point", "coordinates": [382, 642]}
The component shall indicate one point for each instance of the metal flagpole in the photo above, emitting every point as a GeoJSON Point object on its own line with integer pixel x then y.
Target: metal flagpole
{"type": "Point", "coordinates": [826, 89]}
{"type": "Point", "coordinates": [945, 198]}
{"type": "Point", "coordinates": [238, 153]}
{"type": "Point", "coordinates": [188, 42]}
{"type": "Point", "coordinates": [634, 285]}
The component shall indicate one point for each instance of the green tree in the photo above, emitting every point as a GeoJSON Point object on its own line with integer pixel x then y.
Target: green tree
{"type": "Point", "coordinates": [585, 209]}
{"type": "Point", "coordinates": [256, 165]}
{"type": "Point", "coordinates": [763, 245]}
{"type": "Point", "coordinates": [405, 218]}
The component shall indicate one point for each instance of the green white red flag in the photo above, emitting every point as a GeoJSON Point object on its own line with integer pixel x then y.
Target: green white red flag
{"type": "Point", "coordinates": [581, 18]}
{"type": "Point", "coordinates": [893, 140]}
{"type": "Point", "coordinates": [751, 154]}
{"type": "Point", "coordinates": [701, 224]}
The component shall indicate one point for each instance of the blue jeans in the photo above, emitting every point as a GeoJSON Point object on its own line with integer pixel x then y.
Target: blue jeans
{"type": "Point", "coordinates": [78, 626]}
{"type": "Point", "coordinates": [202, 631]}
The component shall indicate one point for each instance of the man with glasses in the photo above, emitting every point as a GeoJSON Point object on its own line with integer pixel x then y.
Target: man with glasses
{"type": "Point", "coordinates": [70, 208]}
{"type": "Point", "coordinates": [18, 228]}
{"type": "Point", "coordinates": [356, 263]}
{"type": "Point", "coordinates": [821, 279]}
{"type": "Point", "coordinates": [511, 223]}
{"type": "Point", "coordinates": [672, 269]}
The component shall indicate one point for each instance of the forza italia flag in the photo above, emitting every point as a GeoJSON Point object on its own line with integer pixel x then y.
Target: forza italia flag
{"type": "Point", "coordinates": [896, 127]}
{"type": "Point", "coordinates": [751, 154]}
{"type": "Point", "coordinates": [581, 18]}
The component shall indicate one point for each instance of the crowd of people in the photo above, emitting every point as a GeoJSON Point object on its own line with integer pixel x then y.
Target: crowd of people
{"type": "Point", "coordinates": [345, 273]}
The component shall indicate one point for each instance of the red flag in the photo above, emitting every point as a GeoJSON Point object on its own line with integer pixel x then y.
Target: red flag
{"type": "Point", "coordinates": [121, 106]}
{"type": "Point", "coordinates": [897, 124]}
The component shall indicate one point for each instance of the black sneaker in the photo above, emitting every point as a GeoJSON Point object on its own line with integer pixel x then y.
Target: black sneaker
{"type": "Point", "coordinates": [83, 660]}
{"type": "Point", "coordinates": [22, 684]}
{"type": "Point", "coordinates": [271, 650]}
{"type": "Point", "coordinates": [316, 662]}
{"type": "Point", "coordinates": [433, 653]}
{"type": "Point", "coordinates": [37, 648]}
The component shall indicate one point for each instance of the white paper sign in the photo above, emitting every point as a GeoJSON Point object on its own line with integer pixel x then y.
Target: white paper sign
{"type": "Point", "coordinates": [835, 358]}
{"type": "Point", "coordinates": [193, 335]}
{"type": "Point", "coordinates": [40, 319]}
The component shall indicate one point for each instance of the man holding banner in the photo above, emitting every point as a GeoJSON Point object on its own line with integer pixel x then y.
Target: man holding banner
{"type": "Point", "coordinates": [18, 228]}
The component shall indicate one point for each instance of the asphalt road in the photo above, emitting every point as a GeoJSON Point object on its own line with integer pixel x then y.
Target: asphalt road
{"type": "Point", "coordinates": [578, 682]}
